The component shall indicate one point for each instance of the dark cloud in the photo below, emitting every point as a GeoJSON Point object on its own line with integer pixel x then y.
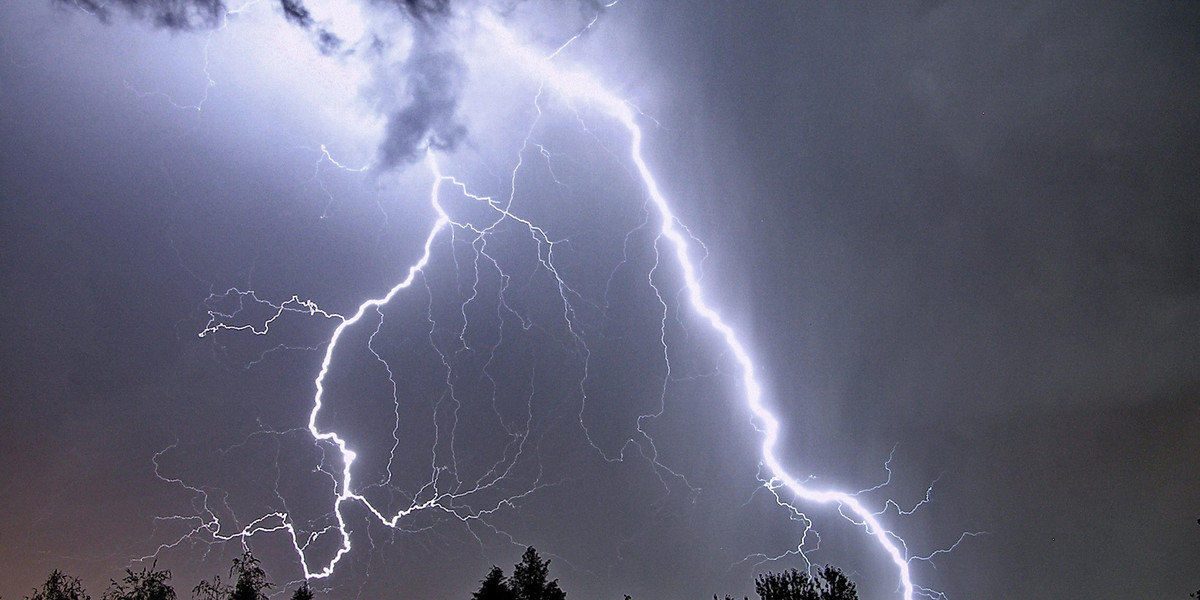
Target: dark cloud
{"type": "Point", "coordinates": [328, 42]}
{"type": "Point", "coordinates": [296, 12]}
{"type": "Point", "coordinates": [171, 14]}
{"type": "Point", "coordinates": [434, 79]}
{"type": "Point", "coordinates": [433, 74]}
{"type": "Point", "coordinates": [423, 9]}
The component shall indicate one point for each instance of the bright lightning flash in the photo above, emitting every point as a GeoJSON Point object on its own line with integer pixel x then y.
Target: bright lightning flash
{"type": "Point", "coordinates": [574, 88]}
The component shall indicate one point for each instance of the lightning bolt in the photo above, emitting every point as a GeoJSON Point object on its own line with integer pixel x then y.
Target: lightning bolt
{"type": "Point", "coordinates": [574, 87]}
{"type": "Point", "coordinates": [581, 87]}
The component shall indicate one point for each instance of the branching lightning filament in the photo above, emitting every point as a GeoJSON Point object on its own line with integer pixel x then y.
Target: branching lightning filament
{"type": "Point", "coordinates": [446, 489]}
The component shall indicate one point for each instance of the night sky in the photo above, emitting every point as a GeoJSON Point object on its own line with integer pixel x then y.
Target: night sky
{"type": "Point", "coordinates": [964, 236]}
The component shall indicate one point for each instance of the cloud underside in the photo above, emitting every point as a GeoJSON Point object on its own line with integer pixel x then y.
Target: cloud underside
{"type": "Point", "coordinates": [433, 73]}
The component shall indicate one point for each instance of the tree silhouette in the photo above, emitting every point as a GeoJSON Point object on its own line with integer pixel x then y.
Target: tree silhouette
{"type": "Point", "coordinates": [60, 587]}
{"type": "Point", "coordinates": [493, 587]}
{"type": "Point", "coordinates": [210, 590]}
{"type": "Point", "coordinates": [249, 582]}
{"type": "Point", "coordinates": [529, 579]}
{"type": "Point", "coordinates": [251, 579]}
{"type": "Point", "coordinates": [149, 584]}
{"type": "Point", "coordinates": [303, 592]}
{"type": "Point", "coordinates": [829, 584]}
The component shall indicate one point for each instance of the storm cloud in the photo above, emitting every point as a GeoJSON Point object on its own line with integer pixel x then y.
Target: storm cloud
{"type": "Point", "coordinates": [171, 14]}
{"type": "Point", "coordinates": [432, 72]}
{"type": "Point", "coordinates": [200, 14]}
{"type": "Point", "coordinates": [434, 77]}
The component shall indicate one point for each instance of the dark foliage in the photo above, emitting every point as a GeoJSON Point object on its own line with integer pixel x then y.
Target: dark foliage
{"type": "Point", "coordinates": [529, 581]}
{"type": "Point", "coordinates": [493, 587]}
{"type": "Point", "coordinates": [303, 592]}
{"type": "Point", "coordinates": [828, 584]}
{"type": "Point", "coordinates": [249, 582]}
{"type": "Point", "coordinates": [60, 587]}
{"type": "Point", "coordinates": [149, 584]}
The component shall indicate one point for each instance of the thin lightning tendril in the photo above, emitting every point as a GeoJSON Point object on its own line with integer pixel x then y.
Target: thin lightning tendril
{"type": "Point", "coordinates": [209, 82]}
{"type": "Point", "coordinates": [672, 237]}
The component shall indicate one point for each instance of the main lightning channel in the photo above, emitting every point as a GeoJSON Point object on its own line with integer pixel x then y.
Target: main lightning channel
{"type": "Point", "coordinates": [580, 86]}
{"type": "Point", "coordinates": [348, 455]}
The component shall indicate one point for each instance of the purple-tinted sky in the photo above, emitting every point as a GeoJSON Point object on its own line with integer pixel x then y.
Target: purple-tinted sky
{"type": "Point", "coordinates": [964, 231]}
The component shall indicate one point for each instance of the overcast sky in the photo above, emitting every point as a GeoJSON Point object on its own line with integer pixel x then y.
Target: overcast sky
{"type": "Point", "coordinates": [965, 235]}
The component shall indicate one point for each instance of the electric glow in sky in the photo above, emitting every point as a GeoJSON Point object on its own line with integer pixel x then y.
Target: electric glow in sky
{"type": "Point", "coordinates": [487, 222]}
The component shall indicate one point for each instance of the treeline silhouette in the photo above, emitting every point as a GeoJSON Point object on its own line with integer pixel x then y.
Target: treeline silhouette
{"type": "Point", "coordinates": [530, 580]}
{"type": "Point", "coordinates": [247, 581]}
